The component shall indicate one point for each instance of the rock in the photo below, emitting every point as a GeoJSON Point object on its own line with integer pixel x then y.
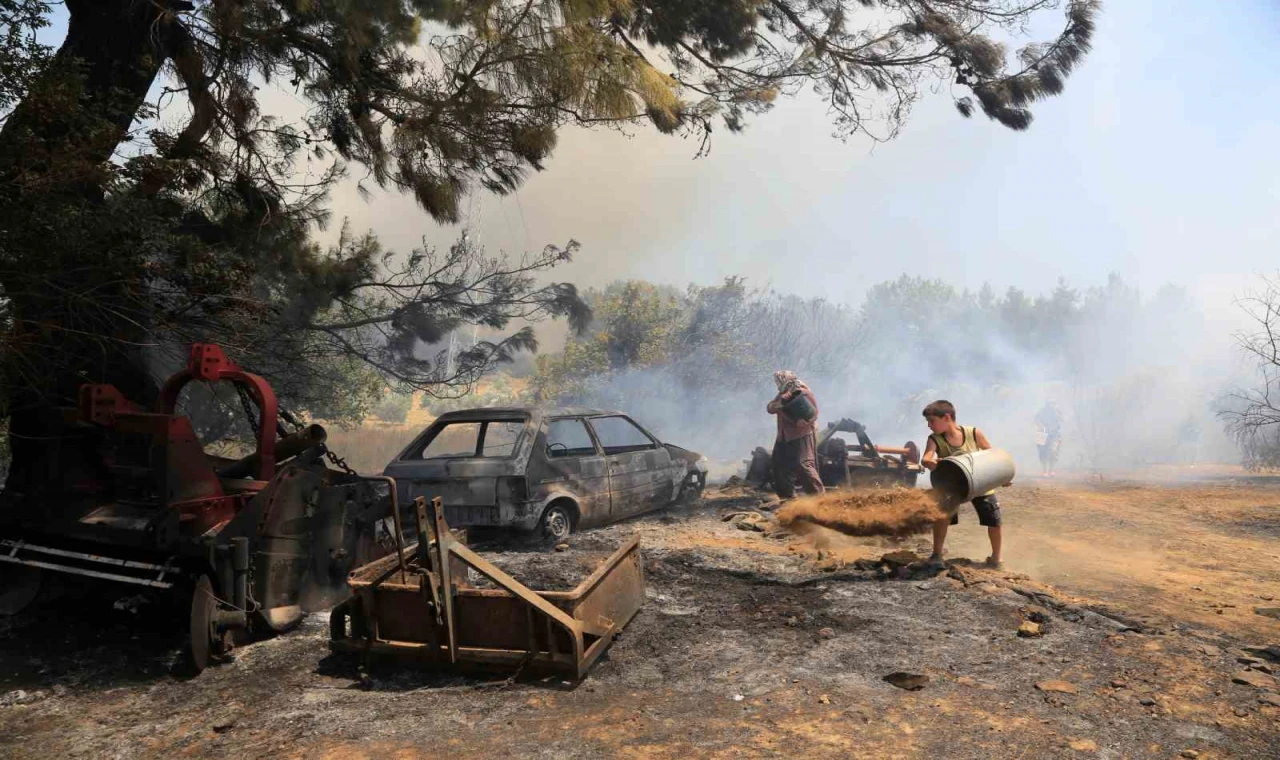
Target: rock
{"type": "Point", "coordinates": [966, 681]}
{"type": "Point", "coordinates": [1270, 652]}
{"type": "Point", "coordinates": [1255, 679]}
{"type": "Point", "coordinates": [1058, 687]}
{"type": "Point", "coordinates": [1210, 650]}
{"type": "Point", "coordinates": [1262, 667]}
{"type": "Point", "coordinates": [1190, 753]}
{"type": "Point", "coordinates": [1249, 660]}
{"type": "Point", "coordinates": [562, 547]}
{"type": "Point", "coordinates": [1036, 614]}
{"type": "Point", "coordinates": [1240, 712]}
{"type": "Point", "coordinates": [908, 681]}
{"type": "Point", "coordinates": [15, 697]}
{"type": "Point", "coordinates": [1084, 745]}
{"type": "Point", "coordinates": [824, 699]}
{"type": "Point", "coordinates": [1146, 702]}
{"type": "Point", "coordinates": [1029, 630]}
{"type": "Point", "coordinates": [1269, 698]}
{"type": "Point", "coordinates": [1117, 684]}
{"type": "Point", "coordinates": [900, 558]}
{"type": "Point", "coordinates": [1271, 612]}
{"type": "Point", "coordinates": [827, 633]}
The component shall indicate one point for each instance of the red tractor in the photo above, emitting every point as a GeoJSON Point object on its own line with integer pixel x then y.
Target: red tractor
{"type": "Point", "coordinates": [253, 542]}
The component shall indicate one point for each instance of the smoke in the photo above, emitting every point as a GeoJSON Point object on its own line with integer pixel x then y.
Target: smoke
{"type": "Point", "coordinates": [1135, 376]}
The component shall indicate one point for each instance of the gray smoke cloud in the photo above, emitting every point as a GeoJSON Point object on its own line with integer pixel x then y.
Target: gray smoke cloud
{"type": "Point", "coordinates": [1137, 377]}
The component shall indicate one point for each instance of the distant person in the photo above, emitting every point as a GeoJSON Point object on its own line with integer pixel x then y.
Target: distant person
{"type": "Point", "coordinates": [948, 439]}
{"type": "Point", "coordinates": [1048, 437]}
{"type": "Point", "coordinates": [795, 451]}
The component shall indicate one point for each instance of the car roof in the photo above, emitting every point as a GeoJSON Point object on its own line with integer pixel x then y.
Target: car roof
{"type": "Point", "coordinates": [485, 413]}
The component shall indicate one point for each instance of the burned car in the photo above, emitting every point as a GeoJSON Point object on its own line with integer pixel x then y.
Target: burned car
{"type": "Point", "coordinates": [553, 470]}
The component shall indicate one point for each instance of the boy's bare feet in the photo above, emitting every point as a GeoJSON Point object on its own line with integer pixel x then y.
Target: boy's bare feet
{"type": "Point", "coordinates": [993, 563]}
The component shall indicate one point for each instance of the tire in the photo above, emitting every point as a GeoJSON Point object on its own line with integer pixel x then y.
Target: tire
{"type": "Point", "coordinates": [557, 522]}
{"type": "Point", "coordinates": [203, 643]}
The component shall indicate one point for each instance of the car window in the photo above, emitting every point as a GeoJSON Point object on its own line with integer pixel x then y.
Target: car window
{"type": "Point", "coordinates": [456, 439]}
{"type": "Point", "coordinates": [569, 438]}
{"type": "Point", "coordinates": [619, 435]}
{"type": "Point", "coordinates": [500, 438]}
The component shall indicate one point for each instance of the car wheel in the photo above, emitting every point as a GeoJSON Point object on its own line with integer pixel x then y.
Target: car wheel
{"type": "Point", "coordinates": [557, 522]}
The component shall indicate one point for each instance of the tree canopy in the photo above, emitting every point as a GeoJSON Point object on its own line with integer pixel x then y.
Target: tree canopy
{"type": "Point", "coordinates": [150, 192]}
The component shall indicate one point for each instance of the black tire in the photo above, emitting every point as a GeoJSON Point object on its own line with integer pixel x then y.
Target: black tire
{"type": "Point", "coordinates": [557, 521]}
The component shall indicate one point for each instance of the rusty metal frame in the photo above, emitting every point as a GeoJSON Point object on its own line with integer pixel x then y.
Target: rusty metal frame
{"type": "Point", "coordinates": [436, 618]}
{"type": "Point", "coordinates": [208, 362]}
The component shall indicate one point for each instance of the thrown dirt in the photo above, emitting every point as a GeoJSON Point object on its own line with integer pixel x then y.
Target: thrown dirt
{"type": "Point", "coordinates": [895, 512]}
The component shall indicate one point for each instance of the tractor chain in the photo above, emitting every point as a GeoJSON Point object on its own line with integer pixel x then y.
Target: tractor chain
{"type": "Point", "coordinates": [286, 416]}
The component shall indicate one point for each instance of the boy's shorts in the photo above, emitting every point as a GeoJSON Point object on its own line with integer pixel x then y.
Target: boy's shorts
{"type": "Point", "coordinates": [988, 509]}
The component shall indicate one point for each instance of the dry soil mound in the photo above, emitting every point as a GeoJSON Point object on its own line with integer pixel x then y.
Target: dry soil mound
{"type": "Point", "coordinates": [879, 512]}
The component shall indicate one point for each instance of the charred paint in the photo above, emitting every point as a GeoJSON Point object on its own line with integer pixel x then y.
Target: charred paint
{"type": "Point", "coordinates": [571, 464]}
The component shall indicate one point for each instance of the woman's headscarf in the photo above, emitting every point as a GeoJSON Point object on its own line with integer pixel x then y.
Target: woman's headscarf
{"type": "Point", "coordinates": [786, 380]}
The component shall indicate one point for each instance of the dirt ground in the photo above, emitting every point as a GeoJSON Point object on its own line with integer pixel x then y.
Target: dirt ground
{"type": "Point", "coordinates": [756, 644]}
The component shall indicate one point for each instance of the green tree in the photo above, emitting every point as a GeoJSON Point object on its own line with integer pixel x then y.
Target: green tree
{"type": "Point", "coordinates": [132, 225]}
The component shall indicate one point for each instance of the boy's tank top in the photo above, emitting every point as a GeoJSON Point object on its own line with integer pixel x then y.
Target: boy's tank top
{"type": "Point", "coordinates": [945, 449]}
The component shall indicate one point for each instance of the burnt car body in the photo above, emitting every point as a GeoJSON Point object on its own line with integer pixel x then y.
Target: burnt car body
{"type": "Point", "coordinates": [549, 469]}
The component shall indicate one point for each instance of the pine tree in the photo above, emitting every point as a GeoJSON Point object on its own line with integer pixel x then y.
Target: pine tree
{"type": "Point", "coordinates": [129, 225]}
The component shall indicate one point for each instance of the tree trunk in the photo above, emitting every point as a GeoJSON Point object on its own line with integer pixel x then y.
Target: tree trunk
{"type": "Point", "coordinates": [73, 317]}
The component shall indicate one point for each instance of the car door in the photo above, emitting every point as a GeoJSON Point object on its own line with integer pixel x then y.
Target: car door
{"type": "Point", "coordinates": [639, 466]}
{"type": "Point", "coordinates": [570, 459]}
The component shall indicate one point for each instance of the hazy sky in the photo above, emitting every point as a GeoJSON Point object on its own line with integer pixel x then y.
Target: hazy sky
{"type": "Point", "coordinates": [1158, 162]}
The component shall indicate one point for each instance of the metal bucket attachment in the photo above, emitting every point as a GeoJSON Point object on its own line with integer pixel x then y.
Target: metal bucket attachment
{"type": "Point", "coordinates": [416, 605]}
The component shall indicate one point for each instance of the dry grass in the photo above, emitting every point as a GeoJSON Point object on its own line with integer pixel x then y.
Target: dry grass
{"type": "Point", "coordinates": [369, 447]}
{"type": "Point", "coordinates": [880, 512]}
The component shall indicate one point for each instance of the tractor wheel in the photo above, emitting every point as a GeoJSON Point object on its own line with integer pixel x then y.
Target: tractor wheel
{"type": "Point", "coordinates": [207, 642]}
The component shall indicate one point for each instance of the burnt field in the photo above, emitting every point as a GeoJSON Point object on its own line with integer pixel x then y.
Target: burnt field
{"type": "Point", "coordinates": [752, 642]}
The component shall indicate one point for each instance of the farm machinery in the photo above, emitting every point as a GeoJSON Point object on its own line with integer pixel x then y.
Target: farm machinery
{"type": "Point", "coordinates": [854, 465]}
{"type": "Point", "coordinates": [251, 544]}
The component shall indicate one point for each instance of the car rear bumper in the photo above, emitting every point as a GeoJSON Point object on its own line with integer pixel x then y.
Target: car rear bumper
{"type": "Point", "coordinates": [518, 515]}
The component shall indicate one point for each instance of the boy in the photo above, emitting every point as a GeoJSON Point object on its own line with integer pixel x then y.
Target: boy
{"type": "Point", "coordinates": [948, 439]}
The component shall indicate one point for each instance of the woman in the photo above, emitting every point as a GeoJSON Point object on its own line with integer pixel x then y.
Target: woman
{"type": "Point", "coordinates": [795, 449]}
